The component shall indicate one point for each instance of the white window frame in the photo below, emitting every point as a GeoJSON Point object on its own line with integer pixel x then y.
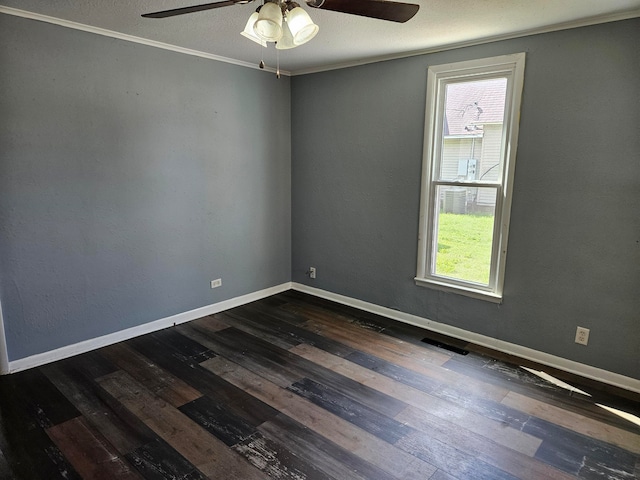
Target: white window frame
{"type": "Point", "coordinates": [512, 68]}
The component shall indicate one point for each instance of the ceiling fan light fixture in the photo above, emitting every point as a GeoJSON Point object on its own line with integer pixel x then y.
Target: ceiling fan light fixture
{"type": "Point", "coordinates": [286, 42]}
{"type": "Point", "coordinates": [302, 27]}
{"type": "Point", "coordinates": [286, 24]}
{"type": "Point", "coordinates": [249, 33]}
{"type": "Point", "coordinates": [268, 26]}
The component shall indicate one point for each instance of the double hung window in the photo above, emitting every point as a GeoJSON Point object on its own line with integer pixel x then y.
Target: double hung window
{"type": "Point", "coordinates": [471, 131]}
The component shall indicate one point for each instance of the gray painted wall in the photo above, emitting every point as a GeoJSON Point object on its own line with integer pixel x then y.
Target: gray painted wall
{"type": "Point", "coordinates": [132, 176]}
{"type": "Point", "coordinates": [574, 247]}
{"type": "Point", "coordinates": [129, 178]}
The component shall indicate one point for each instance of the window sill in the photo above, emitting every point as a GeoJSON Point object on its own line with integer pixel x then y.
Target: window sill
{"type": "Point", "coordinates": [466, 291]}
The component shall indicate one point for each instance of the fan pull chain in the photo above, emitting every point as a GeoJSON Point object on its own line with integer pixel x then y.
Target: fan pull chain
{"type": "Point", "coordinates": [277, 63]}
{"type": "Point", "coordinates": [261, 64]}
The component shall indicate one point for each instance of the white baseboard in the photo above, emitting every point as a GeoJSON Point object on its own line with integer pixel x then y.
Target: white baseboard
{"type": "Point", "coordinates": [110, 339]}
{"type": "Point", "coordinates": [543, 358]}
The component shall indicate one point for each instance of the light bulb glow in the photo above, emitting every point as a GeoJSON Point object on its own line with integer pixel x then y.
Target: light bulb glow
{"type": "Point", "coordinates": [302, 27]}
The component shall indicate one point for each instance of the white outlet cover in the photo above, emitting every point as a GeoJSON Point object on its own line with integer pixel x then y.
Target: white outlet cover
{"type": "Point", "coordinates": [216, 283]}
{"type": "Point", "coordinates": [582, 335]}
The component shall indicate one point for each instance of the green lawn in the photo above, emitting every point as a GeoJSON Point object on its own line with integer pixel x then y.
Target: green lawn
{"type": "Point", "coordinates": [464, 247]}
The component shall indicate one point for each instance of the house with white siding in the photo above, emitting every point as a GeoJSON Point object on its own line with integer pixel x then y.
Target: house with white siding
{"type": "Point", "coordinates": [472, 134]}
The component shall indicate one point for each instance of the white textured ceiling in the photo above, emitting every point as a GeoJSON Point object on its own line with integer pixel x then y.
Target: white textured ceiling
{"type": "Point", "coordinates": [343, 39]}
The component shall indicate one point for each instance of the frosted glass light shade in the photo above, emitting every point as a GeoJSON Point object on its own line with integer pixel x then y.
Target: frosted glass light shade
{"type": "Point", "coordinates": [302, 27]}
{"type": "Point", "coordinates": [286, 42]}
{"type": "Point", "coordinates": [248, 30]}
{"type": "Point", "coordinates": [269, 24]}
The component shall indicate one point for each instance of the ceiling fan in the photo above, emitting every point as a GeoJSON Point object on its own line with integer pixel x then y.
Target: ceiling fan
{"type": "Point", "coordinates": [289, 25]}
{"type": "Point", "coordinates": [382, 9]}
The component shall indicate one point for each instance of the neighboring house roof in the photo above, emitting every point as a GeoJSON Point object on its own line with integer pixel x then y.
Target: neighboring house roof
{"type": "Point", "coordinates": [469, 105]}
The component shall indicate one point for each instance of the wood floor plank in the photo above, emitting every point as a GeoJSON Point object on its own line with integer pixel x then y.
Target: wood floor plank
{"type": "Point", "coordinates": [272, 357]}
{"type": "Point", "coordinates": [276, 460]}
{"type": "Point", "coordinates": [289, 331]}
{"type": "Point", "coordinates": [218, 420]}
{"type": "Point", "coordinates": [42, 399]}
{"type": "Point", "coordinates": [270, 332]}
{"type": "Point", "coordinates": [117, 424]}
{"type": "Point", "coordinates": [325, 455]}
{"type": "Point", "coordinates": [269, 312]}
{"type": "Point", "coordinates": [366, 418]}
{"type": "Point", "coordinates": [183, 348]}
{"type": "Point", "coordinates": [303, 304]}
{"type": "Point", "coordinates": [482, 447]}
{"type": "Point", "coordinates": [456, 396]}
{"type": "Point", "coordinates": [29, 451]}
{"type": "Point", "coordinates": [451, 460]}
{"type": "Point", "coordinates": [277, 369]}
{"type": "Point", "coordinates": [412, 359]}
{"type": "Point", "coordinates": [464, 388]}
{"type": "Point", "coordinates": [156, 460]}
{"type": "Point", "coordinates": [304, 369]}
{"type": "Point", "coordinates": [579, 454]}
{"type": "Point", "coordinates": [457, 415]}
{"type": "Point", "coordinates": [159, 381]}
{"type": "Point", "coordinates": [575, 422]}
{"type": "Point", "coordinates": [263, 453]}
{"type": "Point", "coordinates": [281, 375]}
{"type": "Point", "coordinates": [350, 437]}
{"type": "Point", "coordinates": [91, 455]}
{"type": "Point", "coordinates": [32, 454]}
{"type": "Point", "coordinates": [238, 401]}
{"type": "Point", "coordinates": [204, 451]}
{"type": "Point", "coordinates": [212, 323]}
{"type": "Point", "coordinates": [519, 380]}
{"type": "Point", "coordinates": [92, 364]}
{"type": "Point", "coordinates": [359, 336]}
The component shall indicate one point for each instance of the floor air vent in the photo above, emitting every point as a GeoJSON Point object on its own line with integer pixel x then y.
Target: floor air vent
{"type": "Point", "coordinates": [451, 348]}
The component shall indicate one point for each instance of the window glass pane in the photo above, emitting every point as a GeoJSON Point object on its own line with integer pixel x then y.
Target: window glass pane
{"type": "Point", "coordinates": [472, 130]}
{"type": "Point", "coordinates": [464, 233]}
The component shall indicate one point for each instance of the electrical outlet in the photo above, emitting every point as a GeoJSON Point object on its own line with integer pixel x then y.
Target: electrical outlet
{"type": "Point", "coordinates": [312, 272]}
{"type": "Point", "coordinates": [216, 283]}
{"type": "Point", "coordinates": [582, 335]}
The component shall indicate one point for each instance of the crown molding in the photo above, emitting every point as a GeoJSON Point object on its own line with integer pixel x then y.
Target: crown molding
{"type": "Point", "coordinates": [612, 17]}
{"type": "Point", "coordinates": [131, 38]}
{"type": "Point", "coordinates": [585, 22]}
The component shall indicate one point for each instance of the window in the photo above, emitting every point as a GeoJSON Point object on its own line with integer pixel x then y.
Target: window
{"type": "Point", "coordinates": [471, 132]}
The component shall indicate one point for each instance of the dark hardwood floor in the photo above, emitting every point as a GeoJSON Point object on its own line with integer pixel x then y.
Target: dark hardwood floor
{"type": "Point", "coordinates": [295, 387]}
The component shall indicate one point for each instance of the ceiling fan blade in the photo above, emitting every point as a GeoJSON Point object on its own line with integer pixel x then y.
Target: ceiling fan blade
{"type": "Point", "coordinates": [381, 9]}
{"type": "Point", "coordinates": [196, 8]}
